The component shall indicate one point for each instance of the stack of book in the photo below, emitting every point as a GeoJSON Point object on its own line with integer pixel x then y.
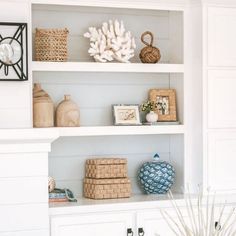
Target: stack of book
{"type": "Point", "coordinates": [57, 197]}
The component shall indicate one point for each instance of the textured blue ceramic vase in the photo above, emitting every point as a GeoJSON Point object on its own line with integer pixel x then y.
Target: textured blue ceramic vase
{"type": "Point", "coordinates": [156, 176]}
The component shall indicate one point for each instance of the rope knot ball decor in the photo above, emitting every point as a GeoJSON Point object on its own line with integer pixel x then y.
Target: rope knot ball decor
{"type": "Point", "coordinates": [149, 54]}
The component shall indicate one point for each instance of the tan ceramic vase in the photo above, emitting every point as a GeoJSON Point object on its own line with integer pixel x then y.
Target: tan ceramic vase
{"type": "Point", "coordinates": [43, 109]}
{"type": "Point", "coordinates": [67, 113]}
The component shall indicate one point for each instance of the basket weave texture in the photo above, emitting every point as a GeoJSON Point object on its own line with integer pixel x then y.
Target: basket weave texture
{"type": "Point", "coordinates": [106, 178]}
{"type": "Point", "coordinates": [107, 188]}
{"type": "Point", "coordinates": [105, 168]}
{"type": "Point", "coordinates": [51, 45]}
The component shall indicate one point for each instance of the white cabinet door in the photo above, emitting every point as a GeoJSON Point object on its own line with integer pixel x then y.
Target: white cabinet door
{"type": "Point", "coordinates": [221, 97]}
{"type": "Point", "coordinates": [153, 224]}
{"type": "Point", "coordinates": [105, 224]}
{"type": "Point", "coordinates": [221, 36]}
{"type": "Point", "coordinates": [220, 168]}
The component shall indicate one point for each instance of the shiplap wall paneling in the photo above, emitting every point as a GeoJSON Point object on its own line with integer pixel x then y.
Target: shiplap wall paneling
{"type": "Point", "coordinates": [167, 27]}
{"type": "Point", "coordinates": [15, 96]}
{"type": "Point", "coordinates": [96, 92]}
{"type": "Point", "coordinates": [23, 179]}
{"type": "Point", "coordinates": [68, 156]}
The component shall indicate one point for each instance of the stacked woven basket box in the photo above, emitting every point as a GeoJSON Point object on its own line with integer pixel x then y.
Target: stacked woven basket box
{"type": "Point", "coordinates": [106, 178]}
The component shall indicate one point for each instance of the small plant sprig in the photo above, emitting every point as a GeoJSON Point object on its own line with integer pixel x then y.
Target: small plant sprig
{"type": "Point", "coordinates": [149, 106]}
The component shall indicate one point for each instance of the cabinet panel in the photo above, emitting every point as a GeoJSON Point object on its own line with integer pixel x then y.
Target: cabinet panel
{"type": "Point", "coordinates": [221, 97]}
{"type": "Point", "coordinates": [44, 232]}
{"type": "Point", "coordinates": [221, 161]}
{"type": "Point", "coordinates": [153, 223]}
{"type": "Point", "coordinates": [31, 164]}
{"type": "Point", "coordinates": [17, 190]}
{"type": "Point", "coordinates": [23, 217]}
{"type": "Point", "coordinates": [221, 36]}
{"type": "Point", "coordinates": [92, 224]}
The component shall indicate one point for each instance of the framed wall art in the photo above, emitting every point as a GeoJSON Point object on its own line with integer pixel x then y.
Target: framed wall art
{"type": "Point", "coordinates": [166, 103]}
{"type": "Point", "coordinates": [126, 114]}
{"type": "Point", "coordinates": [13, 52]}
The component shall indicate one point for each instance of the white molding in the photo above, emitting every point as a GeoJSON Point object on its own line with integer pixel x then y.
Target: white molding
{"type": "Point", "coordinates": [220, 3]}
{"type": "Point", "coordinates": [139, 4]}
{"type": "Point", "coordinates": [46, 136]}
{"type": "Point", "coordinates": [27, 136]}
{"type": "Point", "coordinates": [107, 67]}
{"type": "Point", "coordinates": [119, 130]}
{"type": "Point", "coordinates": [136, 203]}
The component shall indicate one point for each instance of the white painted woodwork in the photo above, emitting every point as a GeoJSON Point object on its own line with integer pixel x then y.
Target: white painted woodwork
{"type": "Point", "coordinates": [221, 96]}
{"type": "Point", "coordinates": [221, 37]}
{"type": "Point", "coordinates": [27, 233]}
{"type": "Point", "coordinates": [154, 224]}
{"type": "Point", "coordinates": [104, 224]}
{"type": "Point", "coordinates": [24, 181]}
{"type": "Point", "coordinates": [23, 217]}
{"type": "Point", "coordinates": [106, 67]}
{"type": "Point", "coordinates": [126, 4]}
{"type": "Point", "coordinates": [94, 86]}
{"type": "Point", "coordinates": [221, 160]}
{"type": "Point", "coordinates": [119, 130]}
{"type": "Point", "coordinates": [24, 190]}
{"type": "Point", "coordinates": [219, 19]}
{"type": "Point", "coordinates": [15, 104]}
{"type": "Point", "coordinates": [10, 164]}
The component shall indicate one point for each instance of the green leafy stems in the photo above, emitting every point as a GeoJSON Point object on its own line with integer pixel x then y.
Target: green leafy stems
{"type": "Point", "coordinates": [148, 106]}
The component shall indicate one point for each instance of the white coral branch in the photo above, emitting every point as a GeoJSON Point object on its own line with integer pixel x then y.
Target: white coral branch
{"type": "Point", "coordinates": [111, 42]}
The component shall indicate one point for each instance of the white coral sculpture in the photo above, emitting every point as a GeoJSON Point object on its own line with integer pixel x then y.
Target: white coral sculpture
{"type": "Point", "coordinates": [111, 42]}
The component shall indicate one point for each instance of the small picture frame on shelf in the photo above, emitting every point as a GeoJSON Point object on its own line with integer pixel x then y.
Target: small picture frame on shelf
{"type": "Point", "coordinates": [166, 103]}
{"type": "Point", "coordinates": [126, 114]}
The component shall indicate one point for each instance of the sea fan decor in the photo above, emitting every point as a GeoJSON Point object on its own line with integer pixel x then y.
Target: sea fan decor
{"type": "Point", "coordinates": [111, 42]}
{"type": "Point", "coordinates": [202, 218]}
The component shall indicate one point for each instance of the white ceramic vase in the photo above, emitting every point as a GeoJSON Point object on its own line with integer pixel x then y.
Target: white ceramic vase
{"type": "Point", "coordinates": [151, 117]}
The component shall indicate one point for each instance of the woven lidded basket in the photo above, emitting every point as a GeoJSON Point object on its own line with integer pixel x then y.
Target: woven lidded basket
{"type": "Point", "coordinates": [107, 188]}
{"type": "Point", "coordinates": [103, 168]}
{"type": "Point", "coordinates": [51, 45]}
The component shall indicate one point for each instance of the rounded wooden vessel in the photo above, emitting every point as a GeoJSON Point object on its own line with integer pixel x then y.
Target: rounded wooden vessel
{"type": "Point", "coordinates": [67, 113]}
{"type": "Point", "coordinates": [43, 109]}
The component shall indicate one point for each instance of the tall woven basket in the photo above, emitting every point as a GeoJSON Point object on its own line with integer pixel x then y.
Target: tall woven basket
{"type": "Point", "coordinates": [51, 45]}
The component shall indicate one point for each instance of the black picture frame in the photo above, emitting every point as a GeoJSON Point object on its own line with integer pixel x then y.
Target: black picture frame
{"type": "Point", "coordinates": [18, 70]}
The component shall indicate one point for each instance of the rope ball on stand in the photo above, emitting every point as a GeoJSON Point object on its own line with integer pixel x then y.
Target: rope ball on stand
{"type": "Point", "coordinates": [149, 54]}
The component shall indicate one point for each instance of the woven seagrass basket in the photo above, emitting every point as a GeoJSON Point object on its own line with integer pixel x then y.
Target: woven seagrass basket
{"type": "Point", "coordinates": [107, 188]}
{"type": "Point", "coordinates": [51, 45]}
{"type": "Point", "coordinates": [104, 168]}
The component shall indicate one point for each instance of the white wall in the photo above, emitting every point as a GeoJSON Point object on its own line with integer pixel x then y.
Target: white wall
{"type": "Point", "coordinates": [15, 97]}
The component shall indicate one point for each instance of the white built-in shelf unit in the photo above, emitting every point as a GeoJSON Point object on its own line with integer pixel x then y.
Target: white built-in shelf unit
{"type": "Point", "coordinates": [96, 86]}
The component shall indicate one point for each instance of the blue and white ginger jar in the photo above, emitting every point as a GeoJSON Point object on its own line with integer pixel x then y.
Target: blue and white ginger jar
{"type": "Point", "coordinates": [156, 176]}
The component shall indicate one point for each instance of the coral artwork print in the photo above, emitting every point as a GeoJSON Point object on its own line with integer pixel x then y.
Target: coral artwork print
{"type": "Point", "coordinates": [127, 114]}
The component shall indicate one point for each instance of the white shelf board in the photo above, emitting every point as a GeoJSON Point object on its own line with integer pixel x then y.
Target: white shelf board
{"type": "Point", "coordinates": [107, 67]}
{"type": "Point", "coordinates": [134, 203]}
{"type": "Point", "coordinates": [117, 130]}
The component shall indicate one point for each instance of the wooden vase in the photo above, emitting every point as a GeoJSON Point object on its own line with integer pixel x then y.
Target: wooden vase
{"type": "Point", "coordinates": [67, 113]}
{"type": "Point", "coordinates": [43, 109]}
